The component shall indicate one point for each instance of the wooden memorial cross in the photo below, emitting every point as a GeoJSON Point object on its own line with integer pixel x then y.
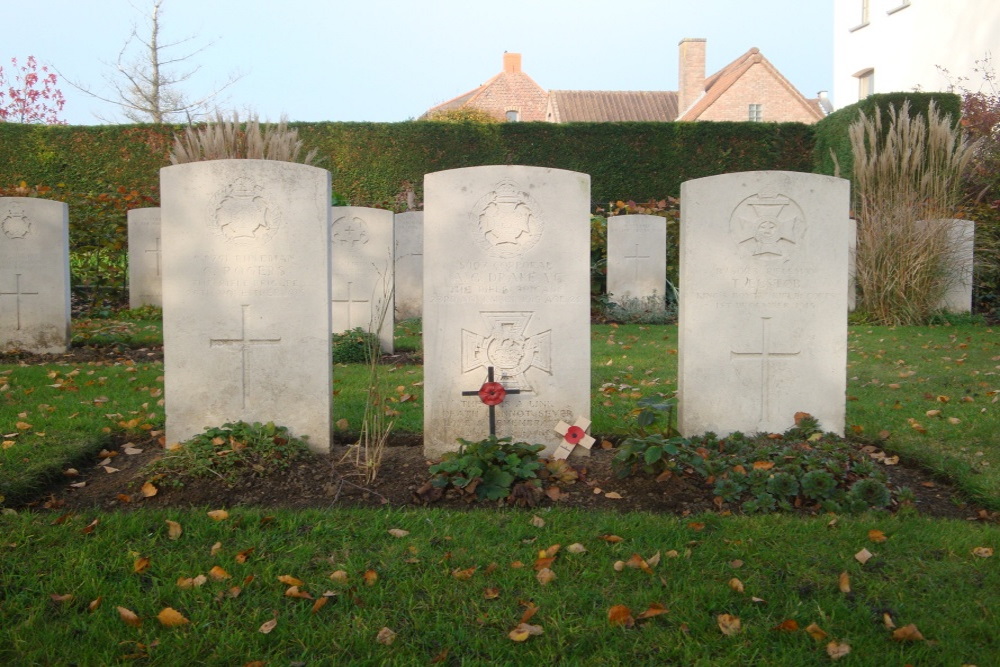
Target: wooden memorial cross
{"type": "Point", "coordinates": [492, 394]}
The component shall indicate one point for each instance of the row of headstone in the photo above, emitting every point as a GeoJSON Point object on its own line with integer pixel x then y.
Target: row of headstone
{"type": "Point", "coordinates": [34, 275]}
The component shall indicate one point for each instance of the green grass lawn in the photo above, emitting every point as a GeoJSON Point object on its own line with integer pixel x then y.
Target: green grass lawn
{"type": "Point", "coordinates": [451, 589]}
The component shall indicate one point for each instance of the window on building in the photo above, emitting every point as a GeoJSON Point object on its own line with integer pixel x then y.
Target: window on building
{"type": "Point", "coordinates": [756, 113]}
{"type": "Point", "coordinates": [513, 115]}
{"type": "Point", "coordinates": [866, 83]}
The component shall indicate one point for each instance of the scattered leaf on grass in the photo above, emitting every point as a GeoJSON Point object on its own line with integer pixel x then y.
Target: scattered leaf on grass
{"type": "Point", "coordinates": [385, 636]}
{"type": "Point", "coordinates": [370, 577]}
{"type": "Point", "coordinates": [844, 582]}
{"type": "Point", "coordinates": [129, 617]}
{"type": "Point", "coordinates": [729, 624]}
{"type": "Point", "coordinates": [576, 548]}
{"type": "Point", "coordinates": [612, 539]}
{"type": "Point", "coordinates": [537, 521]}
{"type": "Point", "coordinates": [696, 526]}
{"type": "Point", "coordinates": [907, 633]}
{"type": "Point", "coordinates": [289, 580]}
{"type": "Point", "coordinates": [736, 564]}
{"type": "Point", "coordinates": [149, 490]}
{"type": "Point", "coordinates": [242, 556]}
{"type": "Point", "coordinates": [837, 650]}
{"type": "Point", "coordinates": [266, 627]}
{"type": "Point", "coordinates": [816, 632]}
{"type": "Point", "coordinates": [788, 625]}
{"type": "Point", "coordinates": [95, 603]}
{"type": "Point", "coordinates": [219, 515]}
{"type": "Point", "coordinates": [141, 564]}
{"type": "Point", "coordinates": [620, 615]}
{"type": "Point", "coordinates": [613, 495]}
{"type": "Point", "coordinates": [525, 630]}
{"type": "Point", "coordinates": [59, 599]}
{"type": "Point", "coordinates": [654, 609]}
{"type": "Point", "coordinates": [216, 548]}
{"type": "Point", "coordinates": [320, 603]}
{"type": "Point", "coordinates": [218, 573]}
{"type": "Point", "coordinates": [877, 536]}
{"type": "Point", "coordinates": [887, 621]}
{"type": "Point", "coordinates": [736, 585]}
{"type": "Point", "coordinates": [339, 576]}
{"type": "Point", "coordinates": [463, 575]}
{"type": "Point", "coordinates": [983, 552]}
{"type": "Point", "coordinates": [171, 618]}
{"type": "Point", "coordinates": [863, 556]}
{"type": "Point", "coordinates": [545, 575]}
{"type": "Point", "coordinates": [174, 529]}
{"type": "Point", "coordinates": [398, 532]}
{"type": "Point", "coordinates": [638, 562]}
{"type": "Point", "coordinates": [491, 593]}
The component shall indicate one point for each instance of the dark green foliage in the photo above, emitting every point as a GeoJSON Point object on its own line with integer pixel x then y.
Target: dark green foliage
{"type": "Point", "coordinates": [490, 468]}
{"type": "Point", "coordinates": [355, 346]}
{"type": "Point", "coordinates": [802, 468]}
{"type": "Point", "coordinates": [831, 132]}
{"type": "Point", "coordinates": [231, 451]}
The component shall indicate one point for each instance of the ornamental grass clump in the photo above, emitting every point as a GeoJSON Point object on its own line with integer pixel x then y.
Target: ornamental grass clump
{"type": "Point", "coordinates": [228, 138]}
{"type": "Point", "coordinates": [908, 179]}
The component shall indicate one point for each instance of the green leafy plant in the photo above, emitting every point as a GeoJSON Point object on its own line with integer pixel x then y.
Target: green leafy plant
{"type": "Point", "coordinates": [231, 451]}
{"type": "Point", "coordinates": [490, 469]}
{"type": "Point", "coordinates": [355, 346]}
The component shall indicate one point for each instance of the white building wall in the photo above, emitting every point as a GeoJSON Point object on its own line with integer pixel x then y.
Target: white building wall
{"type": "Point", "coordinates": [904, 41]}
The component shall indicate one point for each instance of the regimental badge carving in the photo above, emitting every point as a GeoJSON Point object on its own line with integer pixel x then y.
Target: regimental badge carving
{"type": "Point", "coordinates": [349, 231]}
{"type": "Point", "coordinates": [15, 224]}
{"type": "Point", "coordinates": [506, 347]}
{"type": "Point", "coordinates": [243, 215]}
{"type": "Point", "coordinates": [508, 220]}
{"type": "Point", "coordinates": [768, 226]}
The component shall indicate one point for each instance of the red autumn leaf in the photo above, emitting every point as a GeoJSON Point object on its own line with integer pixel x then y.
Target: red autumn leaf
{"type": "Point", "coordinates": [654, 609]}
{"type": "Point", "coordinates": [612, 539]}
{"type": "Point", "coordinates": [620, 615]}
{"type": "Point", "coordinates": [788, 625]}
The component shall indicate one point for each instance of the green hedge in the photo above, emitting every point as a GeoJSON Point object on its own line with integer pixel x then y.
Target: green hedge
{"type": "Point", "coordinates": [374, 164]}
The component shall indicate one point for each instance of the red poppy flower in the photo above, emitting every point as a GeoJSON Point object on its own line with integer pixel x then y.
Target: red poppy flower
{"type": "Point", "coordinates": [574, 434]}
{"type": "Point", "coordinates": [492, 393]}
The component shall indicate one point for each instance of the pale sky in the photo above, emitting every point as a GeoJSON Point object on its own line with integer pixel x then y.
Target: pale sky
{"type": "Point", "coordinates": [391, 60]}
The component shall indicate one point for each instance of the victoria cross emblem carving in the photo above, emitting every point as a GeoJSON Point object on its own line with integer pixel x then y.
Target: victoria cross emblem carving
{"type": "Point", "coordinates": [508, 220]}
{"type": "Point", "coordinates": [768, 226]}
{"type": "Point", "coordinates": [15, 224]}
{"type": "Point", "coordinates": [506, 348]}
{"type": "Point", "coordinates": [243, 215]}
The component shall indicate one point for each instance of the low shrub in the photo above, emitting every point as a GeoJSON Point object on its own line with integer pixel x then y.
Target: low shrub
{"type": "Point", "coordinates": [489, 469]}
{"type": "Point", "coordinates": [355, 346]}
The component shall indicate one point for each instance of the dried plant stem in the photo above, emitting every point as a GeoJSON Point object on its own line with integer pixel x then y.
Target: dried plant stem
{"type": "Point", "coordinates": [229, 139]}
{"type": "Point", "coordinates": [908, 180]}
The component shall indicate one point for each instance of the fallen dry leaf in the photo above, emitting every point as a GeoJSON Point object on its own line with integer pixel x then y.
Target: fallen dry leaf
{"type": "Point", "coordinates": [95, 603]}
{"type": "Point", "coordinates": [545, 576]}
{"type": "Point", "coordinates": [294, 592]}
{"type": "Point", "coordinates": [877, 536]}
{"type": "Point", "coordinates": [525, 630]}
{"type": "Point", "coordinates": [129, 617]}
{"type": "Point", "coordinates": [613, 495]}
{"type": "Point", "coordinates": [491, 593]}
{"type": "Point", "coordinates": [60, 599]}
{"type": "Point", "coordinates": [729, 624]}
{"type": "Point", "coordinates": [788, 625]}
{"type": "Point", "coordinates": [320, 603]}
{"type": "Point", "coordinates": [907, 633]}
{"type": "Point", "coordinates": [171, 618]}
{"type": "Point", "coordinates": [370, 577]}
{"type": "Point", "coordinates": [863, 556]}
{"type": "Point", "coordinates": [887, 621]}
{"type": "Point", "coordinates": [612, 539]}
{"type": "Point", "coordinates": [141, 564]}
{"type": "Point", "coordinates": [619, 614]}
{"type": "Point", "coordinates": [216, 548]}
{"type": "Point", "coordinates": [174, 529]}
{"type": "Point", "coordinates": [736, 585]}
{"type": "Point", "coordinates": [463, 575]}
{"type": "Point", "coordinates": [385, 636]}
{"type": "Point", "coordinates": [398, 532]}
{"type": "Point", "coordinates": [266, 627]}
{"type": "Point", "coordinates": [149, 490]}
{"type": "Point", "coordinates": [242, 556]}
{"type": "Point", "coordinates": [339, 576]}
{"type": "Point", "coordinates": [537, 521]}
{"type": "Point", "coordinates": [218, 573]}
{"type": "Point", "coordinates": [816, 632]}
{"type": "Point", "coordinates": [289, 580]}
{"type": "Point", "coordinates": [983, 552]}
{"type": "Point", "coordinates": [219, 515]}
{"type": "Point", "coordinates": [654, 609]}
{"type": "Point", "coordinates": [844, 582]}
{"type": "Point", "coordinates": [837, 650]}
{"type": "Point", "coordinates": [576, 548]}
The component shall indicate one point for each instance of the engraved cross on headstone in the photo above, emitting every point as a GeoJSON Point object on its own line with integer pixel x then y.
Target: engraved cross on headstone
{"type": "Point", "coordinates": [350, 308]}
{"type": "Point", "coordinates": [156, 250]}
{"type": "Point", "coordinates": [492, 393]}
{"type": "Point", "coordinates": [17, 294]}
{"type": "Point", "coordinates": [243, 343]}
{"type": "Point", "coordinates": [636, 257]}
{"type": "Point", "coordinates": [765, 355]}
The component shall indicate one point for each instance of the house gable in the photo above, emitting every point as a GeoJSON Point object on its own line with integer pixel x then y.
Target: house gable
{"type": "Point", "coordinates": [509, 91]}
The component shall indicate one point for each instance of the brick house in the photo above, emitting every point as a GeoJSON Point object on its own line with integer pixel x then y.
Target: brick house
{"type": "Point", "coordinates": [511, 95]}
{"type": "Point", "coordinates": [749, 88]}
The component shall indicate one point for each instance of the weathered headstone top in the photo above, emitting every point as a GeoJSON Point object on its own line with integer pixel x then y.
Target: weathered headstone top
{"type": "Point", "coordinates": [763, 311]}
{"type": "Point", "coordinates": [246, 296]}
{"type": "Point", "coordinates": [506, 285]}
{"type": "Point", "coordinates": [409, 241]}
{"type": "Point", "coordinates": [637, 257]}
{"type": "Point", "coordinates": [34, 275]}
{"type": "Point", "coordinates": [145, 273]}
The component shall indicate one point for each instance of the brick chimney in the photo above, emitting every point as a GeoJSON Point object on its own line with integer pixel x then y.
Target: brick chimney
{"type": "Point", "coordinates": [691, 81]}
{"type": "Point", "coordinates": [511, 63]}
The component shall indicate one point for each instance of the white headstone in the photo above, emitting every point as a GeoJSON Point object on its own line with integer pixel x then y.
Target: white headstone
{"type": "Point", "coordinates": [506, 285]}
{"type": "Point", "coordinates": [961, 237]}
{"type": "Point", "coordinates": [637, 257]}
{"type": "Point", "coordinates": [246, 296]}
{"type": "Point", "coordinates": [852, 265]}
{"type": "Point", "coordinates": [34, 275]}
{"type": "Point", "coordinates": [763, 310]}
{"type": "Point", "coordinates": [144, 260]}
{"type": "Point", "coordinates": [409, 264]}
{"type": "Point", "coordinates": [361, 253]}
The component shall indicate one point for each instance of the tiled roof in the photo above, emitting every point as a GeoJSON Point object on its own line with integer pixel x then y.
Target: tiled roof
{"type": "Point", "coordinates": [717, 84]}
{"type": "Point", "coordinates": [506, 90]}
{"type": "Point", "coordinates": [570, 106]}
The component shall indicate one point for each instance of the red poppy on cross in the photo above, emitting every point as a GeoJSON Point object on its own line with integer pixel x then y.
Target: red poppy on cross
{"type": "Point", "coordinates": [572, 436]}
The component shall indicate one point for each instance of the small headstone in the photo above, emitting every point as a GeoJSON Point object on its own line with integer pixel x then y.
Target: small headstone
{"type": "Point", "coordinates": [409, 264]}
{"type": "Point", "coordinates": [852, 265]}
{"type": "Point", "coordinates": [144, 258]}
{"type": "Point", "coordinates": [361, 256]}
{"type": "Point", "coordinates": [506, 285]}
{"type": "Point", "coordinates": [637, 259]}
{"type": "Point", "coordinates": [961, 238]}
{"type": "Point", "coordinates": [763, 311]}
{"type": "Point", "coordinates": [34, 275]}
{"type": "Point", "coordinates": [246, 296]}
